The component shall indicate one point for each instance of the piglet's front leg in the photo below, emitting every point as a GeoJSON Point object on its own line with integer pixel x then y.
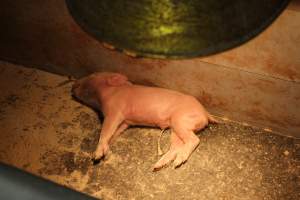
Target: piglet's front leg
{"type": "Point", "coordinates": [110, 125]}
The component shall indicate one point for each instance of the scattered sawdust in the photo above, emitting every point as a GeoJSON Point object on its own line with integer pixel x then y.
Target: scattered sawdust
{"type": "Point", "coordinates": [44, 131]}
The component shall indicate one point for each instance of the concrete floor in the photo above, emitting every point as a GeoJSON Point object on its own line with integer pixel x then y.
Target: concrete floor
{"type": "Point", "coordinates": [44, 131]}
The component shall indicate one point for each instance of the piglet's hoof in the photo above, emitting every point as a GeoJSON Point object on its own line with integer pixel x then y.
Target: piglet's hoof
{"type": "Point", "coordinates": [96, 161]}
{"type": "Point", "coordinates": [103, 157]}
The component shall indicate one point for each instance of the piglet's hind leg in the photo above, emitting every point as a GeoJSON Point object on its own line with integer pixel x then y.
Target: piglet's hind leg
{"type": "Point", "coordinates": [186, 150]}
{"type": "Point", "coordinates": [183, 126]}
{"type": "Point", "coordinates": [176, 144]}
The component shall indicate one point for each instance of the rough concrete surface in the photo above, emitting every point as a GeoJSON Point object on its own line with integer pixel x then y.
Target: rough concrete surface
{"type": "Point", "coordinates": [44, 131]}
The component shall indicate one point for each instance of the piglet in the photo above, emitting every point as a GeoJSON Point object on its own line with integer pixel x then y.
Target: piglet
{"type": "Point", "coordinates": [124, 104]}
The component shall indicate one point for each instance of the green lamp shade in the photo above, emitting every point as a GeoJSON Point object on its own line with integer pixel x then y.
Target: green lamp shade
{"type": "Point", "coordinates": [174, 28]}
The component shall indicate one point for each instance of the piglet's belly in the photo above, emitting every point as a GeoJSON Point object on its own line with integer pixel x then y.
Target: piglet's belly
{"type": "Point", "coordinates": [162, 123]}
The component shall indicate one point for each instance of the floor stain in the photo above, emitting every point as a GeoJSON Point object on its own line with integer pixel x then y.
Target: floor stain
{"type": "Point", "coordinates": [44, 131]}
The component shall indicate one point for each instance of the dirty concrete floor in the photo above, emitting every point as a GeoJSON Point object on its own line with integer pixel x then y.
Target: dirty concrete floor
{"type": "Point", "coordinates": [44, 131]}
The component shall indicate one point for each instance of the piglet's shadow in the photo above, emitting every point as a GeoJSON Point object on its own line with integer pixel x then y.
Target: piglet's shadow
{"type": "Point", "coordinates": [99, 113]}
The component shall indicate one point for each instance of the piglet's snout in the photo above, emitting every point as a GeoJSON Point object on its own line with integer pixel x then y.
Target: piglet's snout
{"type": "Point", "coordinates": [74, 87]}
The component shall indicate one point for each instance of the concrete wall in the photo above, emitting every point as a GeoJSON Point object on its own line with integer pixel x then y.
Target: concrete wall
{"type": "Point", "coordinates": [257, 83]}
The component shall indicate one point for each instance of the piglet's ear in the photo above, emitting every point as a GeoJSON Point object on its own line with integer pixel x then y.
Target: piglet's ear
{"type": "Point", "coordinates": [117, 80]}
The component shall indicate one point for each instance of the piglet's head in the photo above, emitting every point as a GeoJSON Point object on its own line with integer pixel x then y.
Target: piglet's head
{"type": "Point", "coordinates": [83, 91]}
{"type": "Point", "coordinates": [89, 89]}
